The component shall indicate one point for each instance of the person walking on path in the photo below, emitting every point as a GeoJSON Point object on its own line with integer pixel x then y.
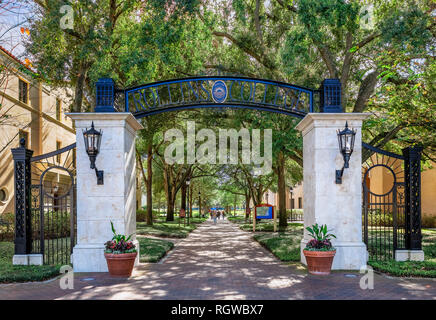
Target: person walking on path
{"type": "Point", "coordinates": [218, 214]}
{"type": "Point", "coordinates": [214, 216]}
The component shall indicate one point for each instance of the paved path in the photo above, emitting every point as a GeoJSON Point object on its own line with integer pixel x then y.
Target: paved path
{"type": "Point", "coordinates": [223, 262]}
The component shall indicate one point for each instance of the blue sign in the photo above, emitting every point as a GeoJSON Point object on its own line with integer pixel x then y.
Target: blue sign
{"type": "Point", "coordinates": [264, 212]}
{"type": "Point", "coordinates": [219, 91]}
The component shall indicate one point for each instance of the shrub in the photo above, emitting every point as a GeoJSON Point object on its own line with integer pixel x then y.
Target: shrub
{"type": "Point", "coordinates": [294, 214]}
{"type": "Point", "coordinates": [428, 221]}
{"type": "Point", "coordinates": [57, 224]}
{"type": "Point", "coordinates": [376, 217]}
{"type": "Point", "coordinates": [7, 227]}
{"type": "Point", "coordinates": [141, 215]}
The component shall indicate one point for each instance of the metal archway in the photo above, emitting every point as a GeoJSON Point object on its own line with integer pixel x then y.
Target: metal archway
{"type": "Point", "coordinates": [218, 92]}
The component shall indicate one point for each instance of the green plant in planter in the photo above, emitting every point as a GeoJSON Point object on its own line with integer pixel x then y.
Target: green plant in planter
{"type": "Point", "coordinates": [321, 238]}
{"type": "Point", "coordinates": [119, 243]}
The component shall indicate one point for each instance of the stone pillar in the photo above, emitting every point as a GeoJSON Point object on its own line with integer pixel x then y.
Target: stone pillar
{"type": "Point", "coordinates": [98, 205]}
{"type": "Point", "coordinates": [325, 202]}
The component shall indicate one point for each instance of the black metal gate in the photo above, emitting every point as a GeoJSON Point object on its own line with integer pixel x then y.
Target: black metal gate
{"type": "Point", "coordinates": [387, 213]}
{"type": "Point", "coordinates": [53, 205]}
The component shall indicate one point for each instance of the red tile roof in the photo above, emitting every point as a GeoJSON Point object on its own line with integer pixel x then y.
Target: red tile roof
{"type": "Point", "coordinates": [15, 58]}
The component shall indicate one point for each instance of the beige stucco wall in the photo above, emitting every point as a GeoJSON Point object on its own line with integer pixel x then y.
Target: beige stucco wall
{"type": "Point", "coordinates": [273, 198]}
{"type": "Point", "coordinates": [381, 181]}
{"type": "Point", "coordinates": [428, 191]}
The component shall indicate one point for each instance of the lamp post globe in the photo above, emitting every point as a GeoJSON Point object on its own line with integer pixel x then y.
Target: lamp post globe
{"type": "Point", "coordinates": [346, 139]}
{"type": "Point", "coordinates": [291, 192]}
{"type": "Point", "coordinates": [92, 139]}
{"type": "Point", "coordinates": [199, 204]}
{"type": "Point", "coordinates": [188, 182]}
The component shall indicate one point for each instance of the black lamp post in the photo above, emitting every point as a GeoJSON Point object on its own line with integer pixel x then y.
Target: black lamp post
{"type": "Point", "coordinates": [199, 204]}
{"type": "Point", "coordinates": [92, 146]}
{"type": "Point", "coordinates": [346, 139]}
{"type": "Point", "coordinates": [188, 182]}
{"type": "Point", "coordinates": [291, 191]}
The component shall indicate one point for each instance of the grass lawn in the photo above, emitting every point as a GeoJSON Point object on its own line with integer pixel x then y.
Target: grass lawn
{"type": "Point", "coordinates": [284, 245]}
{"type": "Point", "coordinates": [170, 229]}
{"type": "Point", "coordinates": [426, 268]}
{"type": "Point", "coordinates": [11, 273]}
{"type": "Point", "coordinates": [262, 226]}
{"type": "Point", "coordinates": [152, 250]}
{"type": "Point", "coordinates": [236, 219]}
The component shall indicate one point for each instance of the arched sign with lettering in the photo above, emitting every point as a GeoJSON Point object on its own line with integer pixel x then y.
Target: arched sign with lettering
{"type": "Point", "coordinates": [219, 92]}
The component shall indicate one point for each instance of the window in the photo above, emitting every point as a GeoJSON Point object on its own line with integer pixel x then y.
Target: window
{"type": "Point", "coordinates": [300, 202]}
{"type": "Point", "coordinates": [58, 109]}
{"type": "Point", "coordinates": [58, 156]}
{"type": "Point", "coordinates": [23, 91]}
{"type": "Point", "coordinates": [3, 195]}
{"type": "Point", "coordinates": [25, 135]}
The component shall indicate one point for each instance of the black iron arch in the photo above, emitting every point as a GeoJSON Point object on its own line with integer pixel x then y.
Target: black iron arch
{"type": "Point", "coordinates": [219, 92]}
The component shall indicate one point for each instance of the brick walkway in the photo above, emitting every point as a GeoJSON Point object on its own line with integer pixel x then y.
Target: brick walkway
{"type": "Point", "coordinates": [222, 262]}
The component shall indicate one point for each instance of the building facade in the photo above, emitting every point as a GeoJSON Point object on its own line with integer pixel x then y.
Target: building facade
{"type": "Point", "coordinates": [33, 110]}
{"type": "Point", "coordinates": [294, 199]}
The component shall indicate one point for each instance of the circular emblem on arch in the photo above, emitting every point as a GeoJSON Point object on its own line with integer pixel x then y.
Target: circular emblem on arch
{"type": "Point", "coordinates": [219, 91]}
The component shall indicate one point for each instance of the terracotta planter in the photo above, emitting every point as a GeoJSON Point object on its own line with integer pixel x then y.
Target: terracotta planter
{"type": "Point", "coordinates": [319, 262]}
{"type": "Point", "coordinates": [120, 265]}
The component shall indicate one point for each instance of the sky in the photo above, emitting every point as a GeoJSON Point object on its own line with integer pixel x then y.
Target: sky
{"type": "Point", "coordinates": [14, 15]}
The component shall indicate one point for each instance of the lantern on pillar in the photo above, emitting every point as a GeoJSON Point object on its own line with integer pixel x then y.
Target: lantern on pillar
{"type": "Point", "coordinates": [92, 139]}
{"type": "Point", "coordinates": [346, 139]}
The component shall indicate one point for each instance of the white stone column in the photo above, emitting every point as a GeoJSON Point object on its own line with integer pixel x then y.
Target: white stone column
{"type": "Point", "coordinates": [325, 202]}
{"type": "Point", "coordinates": [114, 201]}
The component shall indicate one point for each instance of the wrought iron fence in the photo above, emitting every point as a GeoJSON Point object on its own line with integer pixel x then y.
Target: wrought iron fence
{"type": "Point", "coordinates": [295, 215]}
{"type": "Point", "coordinates": [385, 209]}
{"type": "Point", "coordinates": [53, 205]}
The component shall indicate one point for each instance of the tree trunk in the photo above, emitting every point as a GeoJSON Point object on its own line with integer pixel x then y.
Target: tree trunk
{"type": "Point", "coordinates": [149, 216]}
{"type": "Point", "coordinates": [257, 198]}
{"type": "Point", "coordinates": [281, 184]}
{"type": "Point", "coordinates": [170, 209]}
{"type": "Point", "coordinates": [78, 95]}
{"type": "Point", "coordinates": [234, 206]}
{"type": "Point", "coordinates": [247, 205]}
